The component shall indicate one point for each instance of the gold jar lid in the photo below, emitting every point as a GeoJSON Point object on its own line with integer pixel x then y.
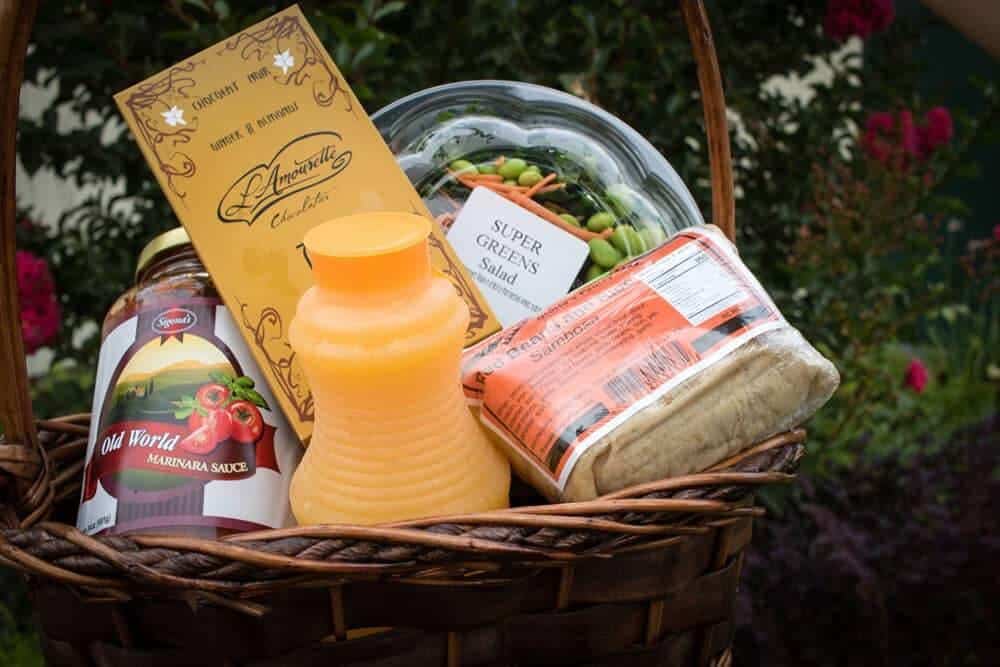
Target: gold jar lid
{"type": "Point", "coordinates": [177, 236]}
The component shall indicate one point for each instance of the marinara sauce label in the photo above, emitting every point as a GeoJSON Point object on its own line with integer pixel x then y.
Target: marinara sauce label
{"type": "Point", "coordinates": [553, 385]}
{"type": "Point", "coordinates": [184, 432]}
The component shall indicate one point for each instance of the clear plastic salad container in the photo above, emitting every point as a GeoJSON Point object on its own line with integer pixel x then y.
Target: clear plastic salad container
{"type": "Point", "coordinates": [594, 176]}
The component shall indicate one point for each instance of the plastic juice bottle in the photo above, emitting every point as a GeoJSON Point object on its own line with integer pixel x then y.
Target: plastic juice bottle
{"type": "Point", "coordinates": [380, 338]}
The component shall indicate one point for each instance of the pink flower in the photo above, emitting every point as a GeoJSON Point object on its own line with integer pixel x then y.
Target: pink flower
{"type": "Point", "coordinates": [846, 18]}
{"type": "Point", "coordinates": [937, 130]}
{"type": "Point", "coordinates": [916, 377]}
{"type": "Point", "coordinates": [901, 143]}
{"type": "Point", "coordinates": [908, 134]}
{"type": "Point", "coordinates": [878, 125]}
{"type": "Point", "coordinates": [40, 316]}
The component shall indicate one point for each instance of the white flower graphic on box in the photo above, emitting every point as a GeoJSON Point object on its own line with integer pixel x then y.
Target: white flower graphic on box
{"type": "Point", "coordinates": [285, 60]}
{"type": "Point", "coordinates": [174, 116]}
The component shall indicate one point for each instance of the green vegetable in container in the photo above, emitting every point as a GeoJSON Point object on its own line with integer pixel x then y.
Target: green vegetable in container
{"type": "Point", "coordinates": [603, 253]}
{"type": "Point", "coordinates": [594, 271]}
{"type": "Point", "coordinates": [637, 240]}
{"type": "Point", "coordinates": [512, 168]}
{"type": "Point", "coordinates": [529, 177]}
{"type": "Point", "coordinates": [569, 195]}
{"type": "Point", "coordinates": [652, 235]}
{"type": "Point", "coordinates": [462, 166]}
{"type": "Point", "coordinates": [628, 241]}
{"type": "Point", "coordinates": [600, 221]}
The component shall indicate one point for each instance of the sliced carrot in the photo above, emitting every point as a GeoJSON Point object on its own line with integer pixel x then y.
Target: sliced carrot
{"type": "Point", "coordinates": [503, 187]}
{"type": "Point", "coordinates": [546, 214]}
{"type": "Point", "coordinates": [493, 185]}
{"type": "Point", "coordinates": [539, 185]}
{"type": "Point", "coordinates": [469, 173]}
{"type": "Point", "coordinates": [466, 181]}
{"type": "Point", "coordinates": [473, 176]}
{"type": "Point", "coordinates": [551, 188]}
{"type": "Point", "coordinates": [518, 195]}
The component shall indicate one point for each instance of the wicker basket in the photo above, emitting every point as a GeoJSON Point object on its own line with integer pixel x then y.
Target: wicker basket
{"type": "Point", "coordinates": [646, 576]}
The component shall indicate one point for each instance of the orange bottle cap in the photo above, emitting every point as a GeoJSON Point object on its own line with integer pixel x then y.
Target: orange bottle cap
{"type": "Point", "coordinates": [370, 252]}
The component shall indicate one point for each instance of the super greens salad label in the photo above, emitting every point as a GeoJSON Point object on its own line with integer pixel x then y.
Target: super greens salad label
{"type": "Point", "coordinates": [521, 262]}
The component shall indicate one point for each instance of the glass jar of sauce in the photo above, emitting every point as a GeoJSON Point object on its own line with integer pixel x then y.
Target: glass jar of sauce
{"type": "Point", "coordinates": [185, 436]}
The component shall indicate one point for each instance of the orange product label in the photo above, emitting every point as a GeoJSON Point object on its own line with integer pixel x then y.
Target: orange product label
{"type": "Point", "coordinates": [553, 385]}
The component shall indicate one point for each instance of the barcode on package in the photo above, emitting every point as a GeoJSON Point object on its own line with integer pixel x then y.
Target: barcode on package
{"type": "Point", "coordinates": [660, 365]}
{"type": "Point", "coordinates": [691, 281]}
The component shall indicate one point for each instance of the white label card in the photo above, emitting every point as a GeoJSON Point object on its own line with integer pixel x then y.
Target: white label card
{"type": "Point", "coordinates": [522, 263]}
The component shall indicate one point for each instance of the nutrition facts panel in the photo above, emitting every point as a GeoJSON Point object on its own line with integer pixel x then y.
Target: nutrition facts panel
{"type": "Point", "coordinates": [694, 283]}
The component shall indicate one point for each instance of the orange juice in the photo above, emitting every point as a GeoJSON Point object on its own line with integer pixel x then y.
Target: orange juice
{"type": "Point", "coordinates": [380, 339]}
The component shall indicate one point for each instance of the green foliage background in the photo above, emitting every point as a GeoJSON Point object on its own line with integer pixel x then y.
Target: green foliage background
{"type": "Point", "coordinates": [851, 251]}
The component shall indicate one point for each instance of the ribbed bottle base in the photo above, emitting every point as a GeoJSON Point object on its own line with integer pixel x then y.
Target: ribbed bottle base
{"type": "Point", "coordinates": [374, 469]}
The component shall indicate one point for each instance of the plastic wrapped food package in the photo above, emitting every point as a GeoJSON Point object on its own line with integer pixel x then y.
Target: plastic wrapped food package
{"type": "Point", "coordinates": [668, 365]}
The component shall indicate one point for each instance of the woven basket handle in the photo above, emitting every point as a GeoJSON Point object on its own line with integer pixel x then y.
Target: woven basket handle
{"type": "Point", "coordinates": [16, 17]}
{"type": "Point", "coordinates": [16, 422]}
{"type": "Point", "coordinates": [714, 104]}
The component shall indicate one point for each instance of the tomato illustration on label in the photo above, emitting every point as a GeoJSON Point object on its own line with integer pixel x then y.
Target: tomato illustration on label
{"type": "Point", "coordinates": [247, 422]}
{"type": "Point", "coordinates": [228, 407]}
{"type": "Point", "coordinates": [219, 423]}
{"type": "Point", "coordinates": [198, 441]}
{"type": "Point", "coordinates": [211, 396]}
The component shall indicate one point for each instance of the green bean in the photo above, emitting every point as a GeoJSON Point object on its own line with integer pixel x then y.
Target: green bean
{"type": "Point", "coordinates": [462, 166]}
{"type": "Point", "coordinates": [652, 234]}
{"type": "Point", "coordinates": [487, 168]}
{"type": "Point", "coordinates": [594, 271]}
{"type": "Point", "coordinates": [619, 240]}
{"type": "Point", "coordinates": [510, 181]}
{"type": "Point", "coordinates": [529, 177]}
{"type": "Point", "coordinates": [604, 253]}
{"type": "Point", "coordinates": [512, 168]}
{"type": "Point", "coordinates": [637, 241]}
{"type": "Point", "coordinates": [571, 219]}
{"type": "Point", "coordinates": [627, 241]}
{"type": "Point", "coordinates": [600, 221]}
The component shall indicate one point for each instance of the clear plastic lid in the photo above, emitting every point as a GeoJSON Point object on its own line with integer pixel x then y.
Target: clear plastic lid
{"type": "Point", "coordinates": [605, 175]}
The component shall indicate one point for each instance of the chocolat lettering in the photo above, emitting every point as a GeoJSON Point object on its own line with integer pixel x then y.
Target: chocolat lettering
{"type": "Point", "coordinates": [301, 164]}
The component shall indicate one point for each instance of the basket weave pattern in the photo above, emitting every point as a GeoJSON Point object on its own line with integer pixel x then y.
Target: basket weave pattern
{"type": "Point", "coordinates": [645, 576]}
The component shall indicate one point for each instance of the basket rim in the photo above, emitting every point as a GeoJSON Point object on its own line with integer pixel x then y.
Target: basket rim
{"type": "Point", "coordinates": [488, 543]}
